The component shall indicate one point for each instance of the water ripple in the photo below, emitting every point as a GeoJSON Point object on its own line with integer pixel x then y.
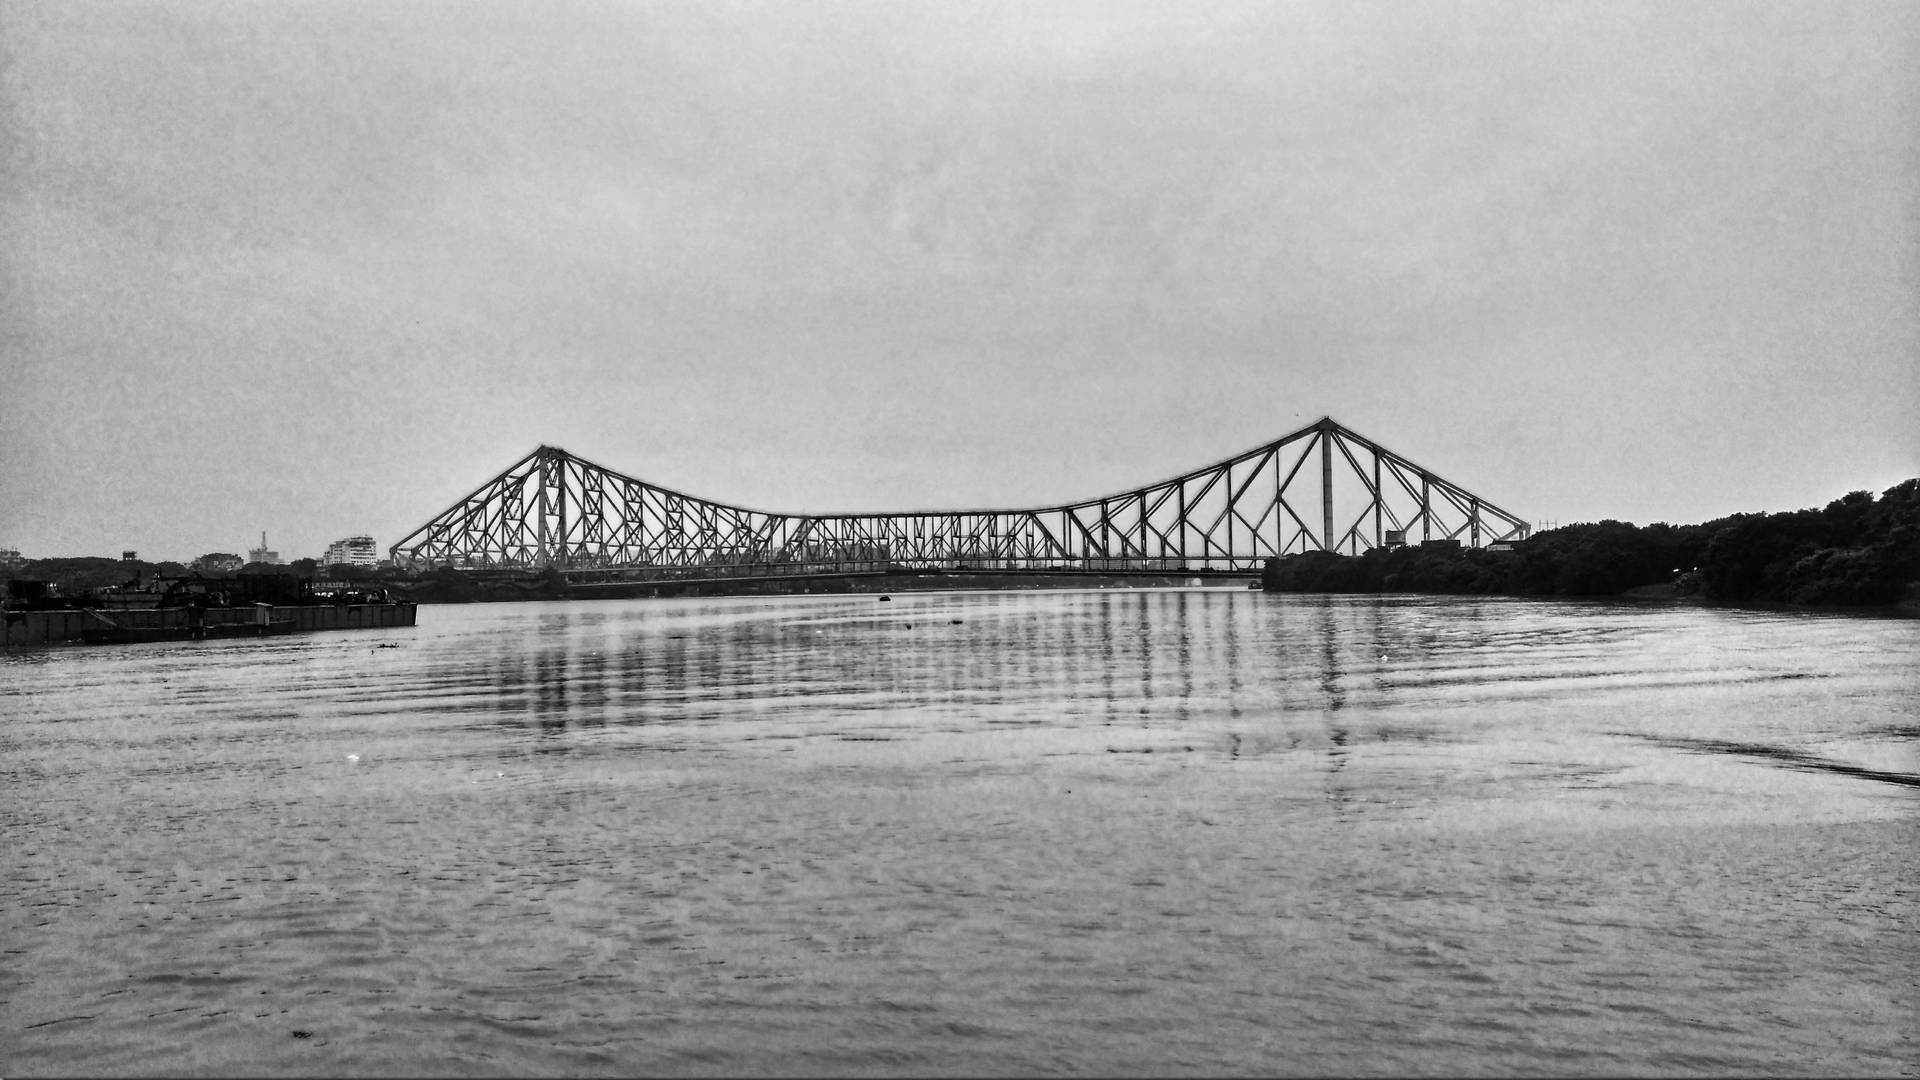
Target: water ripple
{"type": "Point", "coordinates": [1180, 831]}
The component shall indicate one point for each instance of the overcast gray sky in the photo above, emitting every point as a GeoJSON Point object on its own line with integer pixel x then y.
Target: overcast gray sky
{"type": "Point", "coordinates": [322, 268]}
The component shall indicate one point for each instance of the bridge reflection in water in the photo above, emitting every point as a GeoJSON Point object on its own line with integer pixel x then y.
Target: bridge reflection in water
{"type": "Point", "coordinates": [1244, 673]}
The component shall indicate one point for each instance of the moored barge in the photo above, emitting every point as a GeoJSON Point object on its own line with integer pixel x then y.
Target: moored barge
{"type": "Point", "coordinates": [197, 609]}
{"type": "Point", "coordinates": [74, 626]}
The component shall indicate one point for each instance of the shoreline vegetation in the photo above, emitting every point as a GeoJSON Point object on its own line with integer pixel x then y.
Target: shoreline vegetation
{"type": "Point", "coordinates": [1857, 552]}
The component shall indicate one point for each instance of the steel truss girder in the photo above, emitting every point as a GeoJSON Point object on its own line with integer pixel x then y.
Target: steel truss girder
{"type": "Point", "coordinates": [552, 509]}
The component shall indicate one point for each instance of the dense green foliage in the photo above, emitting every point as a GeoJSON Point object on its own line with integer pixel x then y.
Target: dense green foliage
{"type": "Point", "coordinates": [80, 575]}
{"type": "Point", "coordinates": [1858, 550]}
{"type": "Point", "coordinates": [87, 576]}
{"type": "Point", "coordinates": [85, 573]}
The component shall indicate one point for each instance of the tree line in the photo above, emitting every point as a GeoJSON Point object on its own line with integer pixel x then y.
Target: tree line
{"type": "Point", "coordinates": [83, 574]}
{"type": "Point", "coordinates": [1855, 551]}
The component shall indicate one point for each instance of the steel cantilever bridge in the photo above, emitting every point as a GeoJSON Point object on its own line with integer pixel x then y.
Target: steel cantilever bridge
{"type": "Point", "coordinates": [551, 509]}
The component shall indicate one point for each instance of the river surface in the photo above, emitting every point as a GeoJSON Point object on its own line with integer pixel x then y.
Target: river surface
{"type": "Point", "coordinates": [1207, 831]}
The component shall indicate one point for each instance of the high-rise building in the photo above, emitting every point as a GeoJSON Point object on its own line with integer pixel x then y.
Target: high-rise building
{"type": "Point", "coordinates": [354, 551]}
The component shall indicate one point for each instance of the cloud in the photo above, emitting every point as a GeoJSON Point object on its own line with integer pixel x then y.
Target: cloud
{"type": "Point", "coordinates": [681, 233]}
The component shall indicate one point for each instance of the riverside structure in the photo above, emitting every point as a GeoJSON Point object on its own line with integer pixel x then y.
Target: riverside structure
{"type": "Point", "coordinates": [1321, 488]}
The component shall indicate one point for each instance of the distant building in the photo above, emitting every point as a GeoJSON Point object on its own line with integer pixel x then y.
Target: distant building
{"type": "Point", "coordinates": [261, 554]}
{"type": "Point", "coordinates": [10, 558]}
{"type": "Point", "coordinates": [354, 551]}
{"type": "Point", "coordinates": [129, 556]}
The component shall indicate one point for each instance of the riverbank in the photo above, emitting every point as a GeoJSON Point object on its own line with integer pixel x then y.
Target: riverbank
{"type": "Point", "coordinates": [1907, 607]}
{"type": "Point", "coordinates": [457, 587]}
{"type": "Point", "coordinates": [910, 581]}
{"type": "Point", "coordinates": [1668, 594]}
{"type": "Point", "coordinates": [1855, 553]}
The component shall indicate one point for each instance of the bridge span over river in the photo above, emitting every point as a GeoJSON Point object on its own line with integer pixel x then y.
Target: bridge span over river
{"type": "Point", "coordinates": [1321, 488]}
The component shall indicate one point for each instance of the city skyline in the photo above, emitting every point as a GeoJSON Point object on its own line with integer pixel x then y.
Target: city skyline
{"type": "Point", "coordinates": [295, 266]}
{"type": "Point", "coordinates": [246, 555]}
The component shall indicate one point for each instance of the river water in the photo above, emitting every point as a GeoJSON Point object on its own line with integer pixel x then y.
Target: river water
{"type": "Point", "coordinates": [1207, 831]}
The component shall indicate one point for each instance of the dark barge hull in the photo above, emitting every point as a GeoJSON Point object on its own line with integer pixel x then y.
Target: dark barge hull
{"type": "Point", "coordinates": [68, 626]}
{"type": "Point", "coordinates": [127, 635]}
